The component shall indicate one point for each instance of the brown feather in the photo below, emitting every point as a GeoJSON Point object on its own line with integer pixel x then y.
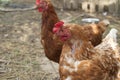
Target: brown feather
{"type": "Point", "coordinates": [84, 62]}
{"type": "Point", "coordinates": [52, 47]}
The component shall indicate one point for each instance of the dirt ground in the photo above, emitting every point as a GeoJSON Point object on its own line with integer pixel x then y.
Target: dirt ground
{"type": "Point", "coordinates": [21, 53]}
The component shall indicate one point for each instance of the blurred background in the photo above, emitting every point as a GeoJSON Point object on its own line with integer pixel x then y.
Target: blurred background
{"type": "Point", "coordinates": [21, 53]}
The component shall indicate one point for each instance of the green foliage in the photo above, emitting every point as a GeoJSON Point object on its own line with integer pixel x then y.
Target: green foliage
{"type": "Point", "coordinates": [4, 2]}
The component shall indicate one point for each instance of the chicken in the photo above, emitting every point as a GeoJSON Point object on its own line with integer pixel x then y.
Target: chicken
{"type": "Point", "coordinates": [53, 46]}
{"type": "Point", "coordinates": [93, 31]}
{"type": "Point", "coordinates": [80, 60]}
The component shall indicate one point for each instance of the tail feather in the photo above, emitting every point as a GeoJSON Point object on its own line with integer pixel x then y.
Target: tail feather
{"type": "Point", "coordinates": [111, 38]}
{"type": "Point", "coordinates": [112, 35]}
{"type": "Point", "coordinates": [110, 41]}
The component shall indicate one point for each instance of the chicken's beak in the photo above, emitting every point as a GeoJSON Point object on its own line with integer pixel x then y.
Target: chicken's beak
{"type": "Point", "coordinates": [36, 7]}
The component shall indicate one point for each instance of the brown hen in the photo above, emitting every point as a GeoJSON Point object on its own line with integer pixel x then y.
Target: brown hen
{"type": "Point", "coordinates": [81, 61]}
{"type": "Point", "coordinates": [53, 46]}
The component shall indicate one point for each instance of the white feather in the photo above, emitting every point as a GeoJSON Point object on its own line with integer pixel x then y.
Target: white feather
{"type": "Point", "coordinates": [68, 78]}
{"type": "Point", "coordinates": [112, 35]}
{"type": "Point", "coordinates": [111, 38]}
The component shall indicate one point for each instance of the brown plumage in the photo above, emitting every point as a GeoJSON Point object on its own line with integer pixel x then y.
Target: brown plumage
{"type": "Point", "coordinates": [95, 31]}
{"type": "Point", "coordinates": [81, 61]}
{"type": "Point", "coordinates": [53, 46]}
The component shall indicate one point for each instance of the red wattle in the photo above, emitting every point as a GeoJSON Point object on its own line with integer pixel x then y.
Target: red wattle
{"type": "Point", "coordinates": [40, 9]}
{"type": "Point", "coordinates": [55, 29]}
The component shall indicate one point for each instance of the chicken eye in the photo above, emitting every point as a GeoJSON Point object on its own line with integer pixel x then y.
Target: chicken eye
{"type": "Point", "coordinates": [60, 30]}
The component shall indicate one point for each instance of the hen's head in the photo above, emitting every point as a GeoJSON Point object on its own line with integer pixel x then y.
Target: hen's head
{"type": "Point", "coordinates": [42, 5]}
{"type": "Point", "coordinates": [61, 31]}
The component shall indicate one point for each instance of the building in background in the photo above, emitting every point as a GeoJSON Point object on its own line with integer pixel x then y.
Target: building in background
{"type": "Point", "coordinates": [109, 6]}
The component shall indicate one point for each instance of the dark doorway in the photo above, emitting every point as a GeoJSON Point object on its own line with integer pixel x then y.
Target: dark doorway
{"type": "Point", "coordinates": [88, 6]}
{"type": "Point", "coordinates": [105, 8]}
{"type": "Point", "coordinates": [96, 8]}
{"type": "Point", "coordinates": [80, 6]}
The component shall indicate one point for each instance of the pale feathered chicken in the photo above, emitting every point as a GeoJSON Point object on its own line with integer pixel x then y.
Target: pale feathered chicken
{"type": "Point", "coordinates": [81, 61]}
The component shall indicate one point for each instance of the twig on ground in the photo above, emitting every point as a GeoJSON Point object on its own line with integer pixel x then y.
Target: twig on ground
{"type": "Point", "coordinates": [2, 61]}
{"type": "Point", "coordinates": [18, 9]}
{"type": "Point", "coordinates": [53, 66]}
{"type": "Point", "coordinates": [43, 76]}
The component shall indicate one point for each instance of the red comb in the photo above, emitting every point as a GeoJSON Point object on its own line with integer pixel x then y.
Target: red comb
{"type": "Point", "coordinates": [37, 2]}
{"type": "Point", "coordinates": [59, 24]}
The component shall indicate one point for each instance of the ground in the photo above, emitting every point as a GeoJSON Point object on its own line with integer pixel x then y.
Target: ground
{"type": "Point", "coordinates": [21, 53]}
